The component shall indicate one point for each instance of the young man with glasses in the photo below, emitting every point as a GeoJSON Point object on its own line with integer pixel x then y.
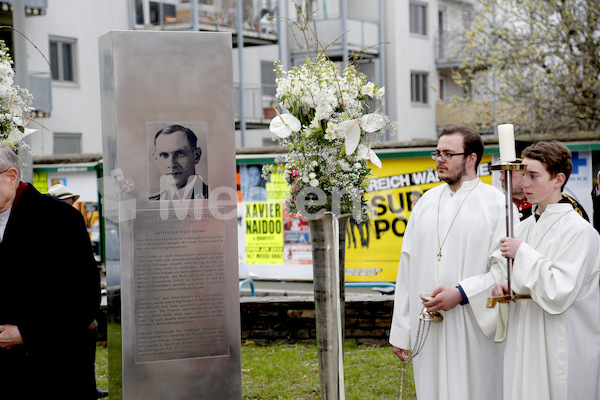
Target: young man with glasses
{"type": "Point", "coordinates": [451, 234]}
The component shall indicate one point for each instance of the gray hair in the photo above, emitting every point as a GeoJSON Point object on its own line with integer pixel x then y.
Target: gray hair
{"type": "Point", "coordinates": [9, 159]}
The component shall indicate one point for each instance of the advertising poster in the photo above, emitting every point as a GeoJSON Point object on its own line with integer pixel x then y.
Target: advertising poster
{"type": "Point", "coordinates": [297, 248]}
{"type": "Point", "coordinates": [264, 232]}
{"type": "Point", "coordinates": [261, 218]}
{"type": "Point", "coordinates": [580, 183]}
{"type": "Point", "coordinates": [252, 184]}
{"type": "Point", "coordinates": [275, 239]}
{"type": "Point", "coordinates": [277, 188]}
{"type": "Point", "coordinates": [373, 252]}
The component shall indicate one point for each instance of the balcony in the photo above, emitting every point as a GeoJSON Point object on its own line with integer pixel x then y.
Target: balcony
{"type": "Point", "coordinates": [32, 7]}
{"type": "Point", "coordinates": [450, 49]}
{"type": "Point", "coordinates": [40, 87]}
{"type": "Point", "coordinates": [258, 104]}
{"type": "Point", "coordinates": [258, 25]}
{"type": "Point", "coordinates": [362, 37]}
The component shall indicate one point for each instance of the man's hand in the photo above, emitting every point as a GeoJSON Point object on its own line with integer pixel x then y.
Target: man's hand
{"type": "Point", "coordinates": [10, 336]}
{"type": "Point", "coordinates": [444, 298]}
{"type": "Point", "coordinates": [509, 246]}
{"type": "Point", "coordinates": [501, 289]}
{"type": "Point", "coordinates": [401, 353]}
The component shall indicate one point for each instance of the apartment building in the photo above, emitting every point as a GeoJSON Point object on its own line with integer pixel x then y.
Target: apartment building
{"type": "Point", "coordinates": [409, 46]}
{"type": "Point", "coordinates": [62, 58]}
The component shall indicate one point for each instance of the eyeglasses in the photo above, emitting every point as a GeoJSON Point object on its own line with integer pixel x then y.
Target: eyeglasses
{"type": "Point", "coordinates": [445, 155]}
{"type": "Point", "coordinates": [1, 172]}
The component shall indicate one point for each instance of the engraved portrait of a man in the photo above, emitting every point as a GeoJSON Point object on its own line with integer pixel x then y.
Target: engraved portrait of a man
{"type": "Point", "coordinates": [176, 154]}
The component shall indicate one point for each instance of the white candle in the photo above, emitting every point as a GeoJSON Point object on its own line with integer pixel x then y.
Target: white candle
{"type": "Point", "coordinates": [506, 139]}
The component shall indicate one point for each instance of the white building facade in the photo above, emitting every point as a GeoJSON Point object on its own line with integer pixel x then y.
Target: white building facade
{"type": "Point", "coordinates": [408, 46]}
{"type": "Point", "coordinates": [67, 35]}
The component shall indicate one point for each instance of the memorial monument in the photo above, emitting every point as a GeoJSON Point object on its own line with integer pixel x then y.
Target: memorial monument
{"type": "Point", "coordinates": [169, 192]}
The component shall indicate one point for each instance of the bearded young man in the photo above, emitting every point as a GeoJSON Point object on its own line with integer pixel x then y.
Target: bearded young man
{"type": "Point", "coordinates": [446, 251]}
{"type": "Point", "coordinates": [553, 334]}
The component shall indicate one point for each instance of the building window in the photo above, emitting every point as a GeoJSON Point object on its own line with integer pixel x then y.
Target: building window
{"type": "Point", "coordinates": [418, 18]}
{"type": "Point", "coordinates": [139, 12]}
{"type": "Point", "coordinates": [62, 59]}
{"type": "Point", "coordinates": [67, 143]}
{"type": "Point", "coordinates": [418, 87]}
{"type": "Point", "coordinates": [161, 12]}
{"type": "Point", "coordinates": [467, 18]}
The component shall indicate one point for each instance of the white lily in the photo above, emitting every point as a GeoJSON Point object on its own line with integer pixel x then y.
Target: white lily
{"type": "Point", "coordinates": [352, 133]}
{"type": "Point", "coordinates": [372, 122]}
{"type": "Point", "coordinates": [284, 124]}
{"type": "Point", "coordinates": [29, 131]}
{"type": "Point", "coordinates": [366, 153]}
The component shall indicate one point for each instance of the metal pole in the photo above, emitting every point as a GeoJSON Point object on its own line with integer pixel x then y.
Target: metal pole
{"type": "Point", "coordinates": [194, 16]}
{"type": "Point", "coordinates": [22, 73]}
{"type": "Point", "coordinates": [240, 45]}
{"type": "Point", "coordinates": [132, 14]}
{"type": "Point", "coordinates": [345, 54]}
{"type": "Point", "coordinates": [509, 224]}
{"type": "Point", "coordinates": [280, 32]}
{"type": "Point", "coordinates": [382, 56]}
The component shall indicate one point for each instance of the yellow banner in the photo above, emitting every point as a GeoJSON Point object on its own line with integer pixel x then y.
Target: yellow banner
{"type": "Point", "coordinates": [264, 233]}
{"type": "Point", "coordinates": [373, 251]}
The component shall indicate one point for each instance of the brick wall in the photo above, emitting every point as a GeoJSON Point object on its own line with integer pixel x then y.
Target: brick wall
{"type": "Point", "coordinates": [292, 319]}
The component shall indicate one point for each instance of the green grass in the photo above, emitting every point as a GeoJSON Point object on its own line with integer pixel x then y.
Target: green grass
{"type": "Point", "coordinates": [292, 372]}
{"type": "Point", "coordinates": [102, 367]}
{"type": "Point", "coordinates": [284, 371]}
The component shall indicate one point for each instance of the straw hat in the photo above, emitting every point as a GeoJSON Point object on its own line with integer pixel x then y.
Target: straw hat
{"type": "Point", "coordinates": [62, 192]}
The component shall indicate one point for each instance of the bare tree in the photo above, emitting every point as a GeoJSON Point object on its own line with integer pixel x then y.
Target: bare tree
{"type": "Point", "coordinates": [542, 56]}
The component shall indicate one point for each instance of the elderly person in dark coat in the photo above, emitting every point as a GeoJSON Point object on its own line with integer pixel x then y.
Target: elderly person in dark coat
{"type": "Point", "coordinates": [49, 292]}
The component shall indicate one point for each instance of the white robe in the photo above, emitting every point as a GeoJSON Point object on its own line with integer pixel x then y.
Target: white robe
{"type": "Point", "coordinates": [459, 361]}
{"type": "Point", "coordinates": [553, 340]}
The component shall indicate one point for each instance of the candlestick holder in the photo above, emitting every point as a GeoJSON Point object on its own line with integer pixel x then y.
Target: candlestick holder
{"type": "Point", "coordinates": [507, 167]}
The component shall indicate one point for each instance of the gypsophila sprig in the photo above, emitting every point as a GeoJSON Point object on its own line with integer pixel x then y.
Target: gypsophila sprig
{"type": "Point", "coordinates": [15, 106]}
{"type": "Point", "coordinates": [328, 130]}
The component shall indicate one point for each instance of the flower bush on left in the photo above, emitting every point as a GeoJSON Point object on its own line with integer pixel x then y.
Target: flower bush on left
{"type": "Point", "coordinates": [15, 106]}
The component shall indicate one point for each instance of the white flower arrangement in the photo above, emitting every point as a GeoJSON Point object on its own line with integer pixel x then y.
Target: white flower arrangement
{"type": "Point", "coordinates": [15, 106]}
{"type": "Point", "coordinates": [328, 137]}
